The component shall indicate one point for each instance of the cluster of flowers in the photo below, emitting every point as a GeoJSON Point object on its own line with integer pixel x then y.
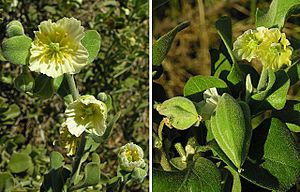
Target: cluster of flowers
{"type": "Point", "coordinates": [57, 50]}
{"type": "Point", "coordinates": [269, 46]}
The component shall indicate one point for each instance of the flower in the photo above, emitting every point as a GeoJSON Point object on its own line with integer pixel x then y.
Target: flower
{"type": "Point", "coordinates": [275, 52]}
{"type": "Point", "coordinates": [209, 104]}
{"type": "Point", "coordinates": [245, 47]}
{"type": "Point", "coordinates": [269, 46]}
{"type": "Point", "coordinates": [69, 141]}
{"type": "Point", "coordinates": [57, 48]}
{"type": "Point", "coordinates": [86, 114]}
{"type": "Point", "coordinates": [131, 157]}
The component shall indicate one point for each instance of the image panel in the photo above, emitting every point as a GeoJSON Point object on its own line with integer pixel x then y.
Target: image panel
{"type": "Point", "coordinates": [74, 81]}
{"type": "Point", "coordinates": [225, 95]}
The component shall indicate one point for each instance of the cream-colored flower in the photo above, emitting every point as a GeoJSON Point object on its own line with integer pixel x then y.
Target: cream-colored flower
{"type": "Point", "coordinates": [208, 105]}
{"type": "Point", "coordinates": [86, 114]}
{"type": "Point", "coordinates": [275, 50]}
{"type": "Point", "coordinates": [269, 46]}
{"type": "Point", "coordinates": [69, 141]}
{"type": "Point", "coordinates": [131, 157]}
{"type": "Point", "coordinates": [57, 48]}
{"type": "Point", "coordinates": [245, 47]}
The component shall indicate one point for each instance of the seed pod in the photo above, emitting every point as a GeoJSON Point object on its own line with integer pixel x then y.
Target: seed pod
{"type": "Point", "coordinates": [14, 28]}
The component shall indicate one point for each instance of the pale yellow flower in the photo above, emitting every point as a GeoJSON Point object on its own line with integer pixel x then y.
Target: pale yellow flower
{"type": "Point", "coordinates": [269, 46]}
{"type": "Point", "coordinates": [57, 48]}
{"type": "Point", "coordinates": [275, 51]}
{"type": "Point", "coordinates": [86, 114]}
{"type": "Point", "coordinates": [246, 45]}
{"type": "Point", "coordinates": [69, 141]}
{"type": "Point", "coordinates": [131, 157]}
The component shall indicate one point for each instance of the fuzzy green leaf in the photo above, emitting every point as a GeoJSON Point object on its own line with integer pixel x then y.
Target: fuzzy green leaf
{"type": "Point", "coordinates": [56, 160]}
{"type": "Point", "coordinates": [274, 149]}
{"type": "Point", "coordinates": [20, 162]}
{"type": "Point", "coordinates": [16, 49]}
{"type": "Point", "coordinates": [161, 47]}
{"type": "Point", "coordinates": [203, 176]}
{"type": "Point", "coordinates": [180, 111]}
{"type": "Point", "coordinates": [92, 42]}
{"type": "Point", "coordinates": [6, 181]}
{"type": "Point", "coordinates": [92, 176]}
{"type": "Point", "coordinates": [278, 12]}
{"type": "Point", "coordinates": [231, 129]}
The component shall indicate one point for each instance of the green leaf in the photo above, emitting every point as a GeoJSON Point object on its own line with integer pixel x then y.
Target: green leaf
{"type": "Point", "coordinates": [14, 28]}
{"type": "Point", "coordinates": [161, 47]}
{"type": "Point", "coordinates": [16, 49]}
{"type": "Point", "coordinates": [92, 42]}
{"type": "Point", "coordinates": [277, 97]}
{"type": "Point", "coordinates": [6, 181]}
{"type": "Point", "coordinates": [290, 115]}
{"type": "Point", "coordinates": [294, 72]}
{"type": "Point", "coordinates": [274, 149]}
{"type": "Point", "coordinates": [19, 162]}
{"type": "Point", "coordinates": [265, 86]}
{"type": "Point", "coordinates": [178, 163]}
{"type": "Point", "coordinates": [92, 176]}
{"type": "Point", "coordinates": [24, 82]}
{"type": "Point", "coordinates": [54, 180]}
{"type": "Point", "coordinates": [220, 64]}
{"type": "Point", "coordinates": [180, 111]}
{"type": "Point", "coordinates": [203, 176]}
{"type": "Point", "coordinates": [231, 129]}
{"type": "Point", "coordinates": [12, 112]}
{"type": "Point", "coordinates": [278, 12]}
{"type": "Point", "coordinates": [235, 75]}
{"type": "Point", "coordinates": [195, 86]}
{"type": "Point", "coordinates": [224, 28]}
{"type": "Point", "coordinates": [56, 160]}
{"type": "Point", "coordinates": [43, 86]}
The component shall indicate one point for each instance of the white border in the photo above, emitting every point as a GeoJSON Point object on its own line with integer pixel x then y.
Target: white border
{"type": "Point", "coordinates": [150, 95]}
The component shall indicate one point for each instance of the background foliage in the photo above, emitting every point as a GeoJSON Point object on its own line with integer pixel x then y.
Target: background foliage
{"type": "Point", "coordinates": [29, 126]}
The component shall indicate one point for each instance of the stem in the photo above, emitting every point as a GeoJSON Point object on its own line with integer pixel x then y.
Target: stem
{"type": "Point", "coordinates": [72, 86]}
{"type": "Point", "coordinates": [78, 156]}
{"type": "Point", "coordinates": [263, 79]}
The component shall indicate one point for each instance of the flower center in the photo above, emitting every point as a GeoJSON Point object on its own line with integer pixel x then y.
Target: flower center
{"type": "Point", "coordinates": [276, 48]}
{"type": "Point", "coordinates": [89, 110]}
{"type": "Point", "coordinates": [132, 155]}
{"type": "Point", "coordinates": [54, 47]}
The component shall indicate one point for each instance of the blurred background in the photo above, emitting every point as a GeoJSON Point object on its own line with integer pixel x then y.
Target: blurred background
{"type": "Point", "coordinates": [189, 54]}
{"type": "Point", "coordinates": [120, 70]}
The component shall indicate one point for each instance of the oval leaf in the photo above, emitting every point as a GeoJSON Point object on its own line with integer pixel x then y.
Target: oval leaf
{"type": "Point", "coordinates": [229, 128]}
{"type": "Point", "coordinates": [92, 42]}
{"type": "Point", "coordinates": [43, 86]}
{"type": "Point", "coordinates": [16, 49]}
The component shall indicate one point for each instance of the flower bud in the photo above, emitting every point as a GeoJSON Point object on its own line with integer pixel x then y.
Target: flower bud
{"type": "Point", "coordinates": [14, 28]}
{"type": "Point", "coordinates": [131, 157]}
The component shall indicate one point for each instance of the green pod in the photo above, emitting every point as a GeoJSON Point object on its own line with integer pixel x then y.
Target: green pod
{"type": "Point", "coordinates": [229, 128]}
{"type": "Point", "coordinates": [180, 111]}
{"type": "Point", "coordinates": [14, 28]}
{"type": "Point", "coordinates": [24, 82]}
